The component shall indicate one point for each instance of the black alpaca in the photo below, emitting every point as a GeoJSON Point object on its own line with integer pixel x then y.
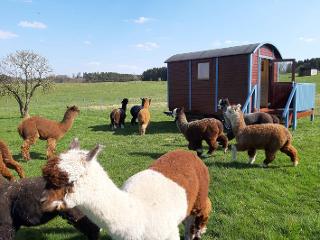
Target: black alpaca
{"type": "Point", "coordinates": [118, 116]}
{"type": "Point", "coordinates": [21, 206]}
{"type": "Point", "coordinates": [135, 110]}
{"type": "Point", "coordinates": [250, 119]}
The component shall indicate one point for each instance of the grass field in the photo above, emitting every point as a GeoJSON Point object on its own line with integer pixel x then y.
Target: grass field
{"type": "Point", "coordinates": [249, 202]}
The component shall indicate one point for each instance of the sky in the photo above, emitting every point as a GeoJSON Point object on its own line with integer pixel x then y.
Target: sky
{"type": "Point", "coordinates": [130, 36]}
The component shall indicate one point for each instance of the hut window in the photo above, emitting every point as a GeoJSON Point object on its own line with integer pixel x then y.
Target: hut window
{"type": "Point", "coordinates": [203, 71]}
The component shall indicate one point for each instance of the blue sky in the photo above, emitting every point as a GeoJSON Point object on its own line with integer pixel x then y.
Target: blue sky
{"type": "Point", "coordinates": [130, 36]}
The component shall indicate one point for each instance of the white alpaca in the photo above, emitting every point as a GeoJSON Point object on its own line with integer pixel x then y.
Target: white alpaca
{"type": "Point", "coordinates": [150, 205]}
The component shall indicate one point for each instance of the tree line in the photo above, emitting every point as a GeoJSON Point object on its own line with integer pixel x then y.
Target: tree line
{"type": "Point", "coordinates": [303, 65]}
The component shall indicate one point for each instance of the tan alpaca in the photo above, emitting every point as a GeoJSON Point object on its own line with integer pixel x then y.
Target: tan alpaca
{"type": "Point", "coordinates": [270, 137]}
{"type": "Point", "coordinates": [36, 127]}
{"type": "Point", "coordinates": [144, 116]}
{"type": "Point", "coordinates": [6, 161]}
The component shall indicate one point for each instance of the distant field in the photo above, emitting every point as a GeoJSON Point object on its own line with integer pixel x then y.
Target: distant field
{"type": "Point", "coordinates": [249, 202]}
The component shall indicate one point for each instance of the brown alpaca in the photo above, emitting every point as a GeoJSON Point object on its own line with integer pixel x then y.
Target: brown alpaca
{"type": "Point", "coordinates": [144, 116]}
{"type": "Point", "coordinates": [208, 129]}
{"type": "Point", "coordinates": [270, 137]}
{"type": "Point", "coordinates": [118, 116]}
{"type": "Point", "coordinates": [33, 128]}
{"type": "Point", "coordinates": [6, 161]}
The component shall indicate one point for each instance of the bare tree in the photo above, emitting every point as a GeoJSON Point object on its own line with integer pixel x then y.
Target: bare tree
{"type": "Point", "coordinates": [21, 74]}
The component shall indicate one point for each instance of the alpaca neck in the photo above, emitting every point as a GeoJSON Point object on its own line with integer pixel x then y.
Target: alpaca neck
{"type": "Point", "coordinates": [124, 107]}
{"type": "Point", "coordinates": [238, 123]}
{"type": "Point", "coordinates": [103, 202]}
{"type": "Point", "coordinates": [67, 121]}
{"type": "Point", "coordinates": [182, 123]}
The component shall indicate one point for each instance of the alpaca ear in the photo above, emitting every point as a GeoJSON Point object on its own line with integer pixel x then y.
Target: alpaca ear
{"type": "Point", "coordinates": [94, 152]}
{"type": "Point", "coordinates": [149, 101]}
{"type": "Point", "coordinates": [75, 144]}
{"type": "Point", "coordinates": [239, 107]}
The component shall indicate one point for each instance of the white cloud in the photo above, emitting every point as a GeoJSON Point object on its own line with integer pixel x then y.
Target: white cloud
{"type": "Point", "coordinates": [216, 43]}
{"type": "Point", "coordinates": [27, 1]}
{"type": "Point", "coordinates": [231, 42]}
{"type": "Point", "coordinates": [142, 20]}
{"type": "Point", "coordinates": [37, 25]}
{"type": "Point", "coordinates": [7, 35]}
{"type": "Point", "coordinates": [147, 46]}
{"type": "Point", "coordinates": [94, 63]}
{"type": "Point", "coordinates": [87, 42]}
{"type": "Point", "coordinates": [307, 39]}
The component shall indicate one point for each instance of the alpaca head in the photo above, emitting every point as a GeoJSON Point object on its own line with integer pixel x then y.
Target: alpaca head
{"type": "Point", "coordinates": [125, 101]}
{"type": "Point", "coordinates": [233, 113]}
{"type": "Point", "coordinates": [146, 102]}
{"type": "Point", "coordinates": [177, 112]}
{"type": "Point", "coordinates": [63, 171]}
{"type": "Point", "coordinates": [223, 104]}
{"type": "Point", "coordinates": [73, 109]}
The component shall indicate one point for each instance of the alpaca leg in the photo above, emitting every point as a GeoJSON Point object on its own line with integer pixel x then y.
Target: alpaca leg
{"type": "Point", "coordinates": [4, 171]}
{"type": "Point", "coordinates": [51, 147]}
{"type": "Point", "coordinates": [16, 166]}
{"type": "Point", "coordinates": [133, 121]}
{"type": "Point", "coordinates": [189, 227]}
{"type": "Point", "coordinates": [196, 146]}
{"type": "Point", "coordinates": [292, 153]}
{"type": "Point", "coordinates": [270, 156]}
{"type": "Point", "coordinates": [25, 148]}
{"type": "Point", "coordinates": [234, 152]}
{"type": "Point", "coordinates": [223, 140]}
{"type": "Point", "coordinates": [143, 129]}
{"type": "Point", "coordinates": [252, 155]}
{"type": "Point", "coordinates": [202, 219]}
{"type": "Point", "coordinates": [212, 144]}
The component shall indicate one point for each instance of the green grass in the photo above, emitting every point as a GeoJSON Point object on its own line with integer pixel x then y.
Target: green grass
{"type": "Point", "coordinates": [249, 202]}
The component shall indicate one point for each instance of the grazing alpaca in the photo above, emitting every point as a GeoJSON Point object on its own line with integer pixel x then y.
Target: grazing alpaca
{"type": "Point", "coordinates": [250, 119]}
{"type": "Point", "coordinates": [36, 127]}
{"type": "Point", "coordinates": [117, 116]}
{"type": "Point", "coordinates": [21, 206]}
{"type": "Point", "coordinates": [7, 161]}
{"type": "Point", "coordinates": [208, 129]}
{"type": "Point", "coordinates": [270, 137]}
{"type": "Point", "coordinates": [150, 205]}
{"type": "Point", "coordinates": [135, 110]}
{"type": "Point", "coordinates": [144, 116]}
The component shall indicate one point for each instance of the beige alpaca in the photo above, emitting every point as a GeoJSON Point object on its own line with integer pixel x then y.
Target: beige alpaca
{"type": "Point", "coordinates": [144, 116]}
{"type": "Point", "coordinates": [33, 128]}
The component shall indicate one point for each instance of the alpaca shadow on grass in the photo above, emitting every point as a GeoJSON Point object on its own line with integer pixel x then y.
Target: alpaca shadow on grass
{"type": "Point", "coordinates": [153, 128]}
{"type": "Point", "coordinates": [33, 155]}
{"type": "Point", "coordinates": [152, 155]}
{"type": "Point", "coordinates": [243, 165]}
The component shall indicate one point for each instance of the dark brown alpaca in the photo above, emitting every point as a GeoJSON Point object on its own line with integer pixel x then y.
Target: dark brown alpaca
{"type": "Point", "coordinates": [6, 161]}
{"type": "Point", "coordinates": [33, 128]}
{"type": "Point", "coordinates": [208, 129]}
{"type": "Point", "coordinates": [270, 137]}
{"type": "Point", "coordinates": [118, 116]}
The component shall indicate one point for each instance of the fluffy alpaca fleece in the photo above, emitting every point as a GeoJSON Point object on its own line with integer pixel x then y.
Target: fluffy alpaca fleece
{"type": "Point", "coordinates": [270, 137]}
{"type": "Point", "coordinates": [33, 128]}
{"type": "Point", "coordinates": [118, 116]}
{"type": "Point", "coordinates": [144, 116]}
{"type": "Point", "coordinates": [207, 129]}
{"type": "Point", "coordinates": [150, 205]}
{"type": "Point", "coordinates": [7, 161]}
{"type": "Point", "coordinates": [21, 206]}
{"type": "Point", "coordinates": [250, 119]}
{"type": "Point", "coordinates": [135, 110]}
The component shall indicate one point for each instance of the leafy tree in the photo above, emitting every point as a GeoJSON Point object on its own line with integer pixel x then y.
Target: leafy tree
{"type": "Point", "coordinates": [21, 74]}
{"type": "Point", "coordinates": [155, 74]}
